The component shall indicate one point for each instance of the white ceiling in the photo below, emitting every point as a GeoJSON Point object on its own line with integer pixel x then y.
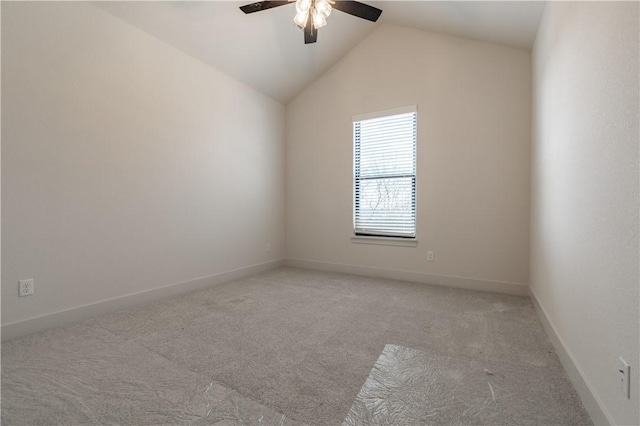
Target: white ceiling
{"type": "Point", "coordinates": [266, 51]}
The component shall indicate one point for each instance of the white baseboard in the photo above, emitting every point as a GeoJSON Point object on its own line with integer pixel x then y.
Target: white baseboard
{"type": "Point", "coordinates": [517, 289]}
{"type": "Point", "coordinates": [80, 313]}
{"type": "Point", "coordinates": [589, 397]}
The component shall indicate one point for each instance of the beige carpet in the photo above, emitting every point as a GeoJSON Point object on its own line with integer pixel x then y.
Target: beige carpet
{"type": "Point", "coordinates": [289, 345]}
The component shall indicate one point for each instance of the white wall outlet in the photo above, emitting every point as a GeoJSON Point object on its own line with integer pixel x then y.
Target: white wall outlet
{"type": "Point", "coordinates": [268, 247]}
{"type": "Point", "coordinates": [623, 377]}
{"type": "Point", "coordinates": [430, 256]}
{"type": "Point", "coordinates": [25, 287]}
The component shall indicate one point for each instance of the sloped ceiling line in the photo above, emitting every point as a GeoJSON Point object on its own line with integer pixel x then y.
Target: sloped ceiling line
{"type": "Point", "coordinates": [265, 50]}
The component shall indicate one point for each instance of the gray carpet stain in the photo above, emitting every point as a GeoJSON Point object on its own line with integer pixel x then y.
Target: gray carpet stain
{"type": "Point", "coordinates": [407, 386]}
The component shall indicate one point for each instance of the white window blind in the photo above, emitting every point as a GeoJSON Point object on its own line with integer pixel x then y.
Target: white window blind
{"type": "Point", "coordinates": [385, 174]}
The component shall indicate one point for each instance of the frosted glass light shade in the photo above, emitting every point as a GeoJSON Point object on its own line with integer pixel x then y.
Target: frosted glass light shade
{"type": "Point", "coordinates": [319, 20]}
{"type": "Point", "coordinates": [301, 18]}
{"type": "Point", "coordinates": [303, 5]}
{"type": "Point", "coordinates": [323, 7]}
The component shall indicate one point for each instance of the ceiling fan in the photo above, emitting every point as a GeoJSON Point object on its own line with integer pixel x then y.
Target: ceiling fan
{"type": "Point", "coordinates": [312, 14]}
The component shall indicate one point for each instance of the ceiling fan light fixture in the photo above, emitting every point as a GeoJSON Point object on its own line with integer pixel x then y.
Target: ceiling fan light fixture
{"type": "Point", "coordinates": [312, 14]}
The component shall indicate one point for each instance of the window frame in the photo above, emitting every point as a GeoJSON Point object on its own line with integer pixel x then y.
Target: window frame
{"type": "Point", "coordinates": [394, 240]}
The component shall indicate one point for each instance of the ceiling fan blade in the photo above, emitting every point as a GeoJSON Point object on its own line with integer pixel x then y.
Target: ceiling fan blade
{"type": "Point", "coordinates": [310, 32]}
{"type": "Point", "coordinates": [262, 5]}
{"type": "Point", "coordinates": [358, 9]}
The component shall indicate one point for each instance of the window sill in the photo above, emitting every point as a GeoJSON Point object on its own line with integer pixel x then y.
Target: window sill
{"type": "Point", "coordinates": [385, 241]}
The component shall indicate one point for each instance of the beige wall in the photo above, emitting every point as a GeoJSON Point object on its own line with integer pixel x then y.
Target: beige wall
{"type": "Point", "coordinates": [473, 103]}
{"type": "Point", "coordinates": [126, 165]}
{"type": "Point", "coordinates": [584, 227]}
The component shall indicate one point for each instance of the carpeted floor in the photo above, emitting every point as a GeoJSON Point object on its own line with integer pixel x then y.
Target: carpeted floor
{"type": "Point", "coordinates": [286, 346]}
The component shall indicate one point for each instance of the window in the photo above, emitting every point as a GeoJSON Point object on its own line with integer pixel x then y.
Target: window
{"type": "Point", "coordinates": [385, 173]}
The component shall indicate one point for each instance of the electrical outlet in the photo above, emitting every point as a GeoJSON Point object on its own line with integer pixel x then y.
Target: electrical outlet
{"type": "Point", "coordinates": [25, 287]}
{"type": "Point", "coordinates": [623, 377]}
{"type": "Point", "coordinates": [268, 247]}
{"type": "Point", "coordinates": [430, 256]}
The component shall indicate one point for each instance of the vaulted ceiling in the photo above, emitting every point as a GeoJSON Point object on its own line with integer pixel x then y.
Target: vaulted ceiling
{"type": "Point", "coordinates": [266, 51]}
